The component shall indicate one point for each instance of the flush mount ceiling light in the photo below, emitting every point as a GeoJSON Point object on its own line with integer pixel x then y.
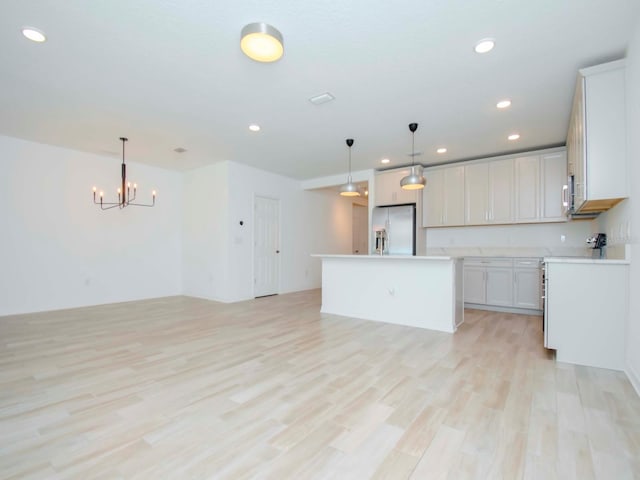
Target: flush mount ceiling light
{"type": "Point", "coordinates": [123, 200]}
{"type": "Point", "coordinates": [254, 128]}
{"type": "Point", "coordinates": [415, 180]}
{"type": "Point", "coordinates": [349, 189]}
{"type": "Point", "coordinates": [485, 45]}
{"type": "Point", "coordinates": [34, 34]}
{"type": "Point", "coordinates": [513, 136]}
{"type": "Point", "coordinates": [261, 42]}
{"type": "Point", "coordinates": [441, 150]}
{"type": "Point", "coordinates": [385, 161]}
{"type": "Point", "coordinates": [503, 104]}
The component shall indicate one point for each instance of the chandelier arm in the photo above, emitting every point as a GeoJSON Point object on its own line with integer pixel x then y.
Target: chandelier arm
{"type": "Point", "coordinates": [113, 205]}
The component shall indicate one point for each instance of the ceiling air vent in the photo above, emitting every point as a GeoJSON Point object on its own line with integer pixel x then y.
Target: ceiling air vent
{"type": "Point", "coordinates": [322, 98]}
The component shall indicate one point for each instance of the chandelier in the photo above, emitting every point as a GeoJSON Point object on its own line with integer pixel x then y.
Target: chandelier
{"type": "Point", "coordinates": [124, 199]}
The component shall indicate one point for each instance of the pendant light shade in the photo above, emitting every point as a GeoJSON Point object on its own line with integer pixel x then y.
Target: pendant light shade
{"type": "Point", "coordinates": [349, 189]}
{"type": "Point", "coordinates": [415, 180]}
{"type": "Point", "coordinates": [261, 42]}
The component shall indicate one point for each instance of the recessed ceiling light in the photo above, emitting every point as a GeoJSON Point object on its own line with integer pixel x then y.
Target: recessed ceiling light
{"type": "Point", "coordinates": [442, 150]}
{"type": "Point", "coordinates": [180, 150]}
{"type": "Point", "coordinates": [385, 160]}
{"type": "Point", "coordinates": [485, 45]}
{"type": "Point", "coordinates": [503, 104]}
{"type": "Point", "coordinates": [514, 136]}
{"type": "Point", "coordinates": [254, 128]}
{"type": "Point", "coordinates": [34, 34]}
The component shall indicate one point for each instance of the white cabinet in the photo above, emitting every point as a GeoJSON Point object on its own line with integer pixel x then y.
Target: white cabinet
{"type": "Point", "coordinates": [475, 290]}
{"type": "Point", "coordinates": [489, 192]}
{"type": "Point", "coordinates": [527, 189]}
{"type": "Point", "coordinates": [476, 187]}
{"type": "Point", "coordinates": [539, 183]}
{"type": "Point", "coordinates": [585, 312]}
{"type": "Point", "coordinates": [501, 191]}
{"type": "Point", "coordinates": [596, 140]}
{"type": "Point", "coordinates": [388, 190]}
{"type": "Point", "coordinates": [502, 282]}
{"type": "Point", "coordinates": [500, 286]}
{"type": "Point", "coordinates": [527, 288]}
{"type": "Point", "coordinates": [554, 181]}
{"type": "Point", "coordinates": [443, 197]}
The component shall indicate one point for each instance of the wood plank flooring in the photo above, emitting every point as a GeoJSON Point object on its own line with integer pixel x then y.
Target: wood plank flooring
{"type": "Point", "coordinates": [185, 388]}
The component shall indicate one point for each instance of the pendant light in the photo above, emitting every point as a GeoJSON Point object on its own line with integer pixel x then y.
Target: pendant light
{"type": "Point", "coordinates": [124, 199]}
{"type": "Point", "coordinates": [349, 189]}
{"type": "Point", "coordinates": [415, 180]}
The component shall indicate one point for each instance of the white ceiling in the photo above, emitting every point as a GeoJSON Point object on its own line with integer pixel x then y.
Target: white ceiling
{"type": "Point", "coordinates": [170, 73]}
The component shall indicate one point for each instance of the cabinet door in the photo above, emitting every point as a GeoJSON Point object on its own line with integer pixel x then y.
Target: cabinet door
{"type": "Point", "coordinates": [474, 285]}
{"type": "Point", "coordinates": [433, 195]}
{"type": "Point", "coordinates": [453, 195]}
{"type": "Point", "coordinates": [501, 191]}
{"type": "Point", "coordinates": [500, 286]}
{"type": "Point", "coordinates": [578, 146]}
{"type": "Point", "coordinates": [554, 179]}
{"type": "Point", "coordinates": [476, 186]}
{"type": "Point", "coordinates": [527, 172]}
{"type": "Point", "coordinates": [528, 286]}
{"type": "Point", "coordinates": [388, 190]}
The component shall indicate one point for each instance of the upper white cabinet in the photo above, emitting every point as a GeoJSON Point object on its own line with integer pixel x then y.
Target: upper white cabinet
{"type": "Point", "coordinates": [539, 183]}
{"type": "Point", "coordinates": [388, 190]}
{"type": "Point", "coordinates": [489, 192]}
{"type": "Point", "coordinates": [553, 176]}
{"type": "Point", "coordinates": [527, 189]}
{"type": "Point", "coordinates": [501, 191]}
{"type": "Point", "coordinates": [476, 188]}
{"type": "Point", "coordinates": [443, 197]}
{"type": "Point", "coordinates": [596, 140]}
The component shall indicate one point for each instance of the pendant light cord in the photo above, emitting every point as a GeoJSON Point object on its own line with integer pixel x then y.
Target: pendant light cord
{"type": "Point", "coordinates": [413, 149]}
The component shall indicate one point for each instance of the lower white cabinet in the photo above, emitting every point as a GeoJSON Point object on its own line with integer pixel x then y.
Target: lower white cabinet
{"type": "Point", "coordinates": [500, 286]}
{"type": "Point", "coordinates": [475, 290]}
{"type": "Point", "coordinates": [503, 282]}
{"type": "Point", "coordinates": [527, 287]}
{"type": "Point", "coordinates": [586, 311]}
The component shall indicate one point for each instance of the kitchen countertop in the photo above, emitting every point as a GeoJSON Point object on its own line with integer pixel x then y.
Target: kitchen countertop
{"type": "Point", "coordinates": [603, 261]}
{"type": "Point", "coordinates": [388, 257]}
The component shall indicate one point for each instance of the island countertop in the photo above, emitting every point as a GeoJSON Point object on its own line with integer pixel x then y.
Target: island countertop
{"type": "Point", "coordinates": [388, 257]}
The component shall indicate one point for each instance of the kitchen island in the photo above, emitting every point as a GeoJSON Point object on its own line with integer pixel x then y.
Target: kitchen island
{"type": "Point", "coordinates": [416, 291]}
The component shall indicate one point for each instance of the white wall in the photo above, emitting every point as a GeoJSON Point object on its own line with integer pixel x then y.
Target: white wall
{"type": "Point", "coordinates": [205, 232]}
{"type": "Point", "coordinates": [58, 250]}
{"type": "Point", "coordinates": [633, 149]}
{"type": "Point", "coordinates": [218, 251]}
{"type": "Point", "coordinates": [310, 222]}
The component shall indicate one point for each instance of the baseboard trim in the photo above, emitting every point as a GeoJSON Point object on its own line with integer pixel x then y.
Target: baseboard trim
{"type": "Point", "coordinates": [494, 308]}
{"type": "Point", "coordinates": [634, 378]}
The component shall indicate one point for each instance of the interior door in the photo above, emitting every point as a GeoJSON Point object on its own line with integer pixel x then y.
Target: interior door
{"type": "Point", "coordinates": [266, 253]}
{"type": "Point", "coordinates": [359, 229]}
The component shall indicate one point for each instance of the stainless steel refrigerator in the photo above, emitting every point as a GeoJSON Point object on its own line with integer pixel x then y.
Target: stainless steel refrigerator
{"type": "Point", "coordinates": [399, 225]}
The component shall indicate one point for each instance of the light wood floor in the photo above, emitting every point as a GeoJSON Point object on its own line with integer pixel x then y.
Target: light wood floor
{"type": "Point", "coordinates": [183, 388]}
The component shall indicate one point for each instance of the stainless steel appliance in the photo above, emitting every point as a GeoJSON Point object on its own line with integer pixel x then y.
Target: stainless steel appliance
{"type": "Point", "coordinates": [598, 242]}
{"type": "Point", "coordinates": [395, 230]}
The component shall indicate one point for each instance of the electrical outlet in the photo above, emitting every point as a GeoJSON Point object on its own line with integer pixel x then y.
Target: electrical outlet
{"type": "Point", "coordinates": [563, 238]}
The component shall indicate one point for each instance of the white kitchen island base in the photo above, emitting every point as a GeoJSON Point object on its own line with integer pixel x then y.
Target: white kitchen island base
{"type": "Point", "coordinates": [424, 292]}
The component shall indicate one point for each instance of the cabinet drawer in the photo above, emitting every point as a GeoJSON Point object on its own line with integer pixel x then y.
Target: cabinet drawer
{"type": "Point", "coordinates": [527, 262]}
{"type": "Point", "coordinates": [488, 262]}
